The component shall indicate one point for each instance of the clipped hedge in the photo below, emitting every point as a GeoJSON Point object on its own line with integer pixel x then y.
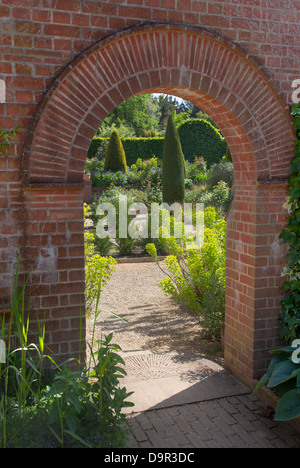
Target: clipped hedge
{"type": "Point", "coordinates": [174, 169]}
{"type": "Point", "coordinates": [144, 148]}
{"type": "Point", "coordinates": [115, 159]}
{"type": "Point", "coordinates": [200, 138]}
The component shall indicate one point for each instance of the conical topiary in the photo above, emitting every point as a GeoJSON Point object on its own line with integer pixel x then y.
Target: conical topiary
{"type": "Point", "coordinates": [115, 159]}
{"type": "Point", "coordinates": [173, 173]}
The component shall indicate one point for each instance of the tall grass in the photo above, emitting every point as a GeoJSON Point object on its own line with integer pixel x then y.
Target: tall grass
{"type": "Point", "coordinates": [57, 407]}
{"type": "Point", "coordinates": [21, 374]}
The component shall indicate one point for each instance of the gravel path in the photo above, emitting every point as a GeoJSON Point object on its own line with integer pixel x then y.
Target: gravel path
{"type": "Point", "coordinates": [154, 322]}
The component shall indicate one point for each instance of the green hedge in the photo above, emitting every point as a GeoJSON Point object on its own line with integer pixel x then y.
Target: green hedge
{"type": "Point", "coordinates": [200, 138]}
{"type": "Point", "coordinates": [197, 136]}
{"type": "Point", "coordinates": [144, 148]}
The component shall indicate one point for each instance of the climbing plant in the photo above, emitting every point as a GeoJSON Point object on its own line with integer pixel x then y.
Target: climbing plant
{"type": "Point", "coordinates": [290, 314]}
{"type": "Point", "coordinates": [283, 373]}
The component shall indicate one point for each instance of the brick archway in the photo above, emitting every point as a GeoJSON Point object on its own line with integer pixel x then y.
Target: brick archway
{"type": "Point", "coordinates": [220, 79]}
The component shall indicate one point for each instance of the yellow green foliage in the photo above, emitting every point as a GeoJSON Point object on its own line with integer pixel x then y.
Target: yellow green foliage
{"type": "Point", "coordinates": [196, 277]}
{"type": "Point", "coordinates": [98, 270]}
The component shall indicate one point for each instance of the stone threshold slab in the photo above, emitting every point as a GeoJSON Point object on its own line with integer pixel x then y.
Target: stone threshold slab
{"type": "Point", "coordinates": [162, 380]}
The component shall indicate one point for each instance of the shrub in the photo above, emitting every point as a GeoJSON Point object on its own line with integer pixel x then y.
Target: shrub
{"type": "Point", "coordinates": [159, 239]}
{"type": "Point", "coordinates": [109, 178]}
{"type": "Point", "coordinates": [196, 277]}
{"type": "Point", "coordinates": [121, 200]}
{"type": "Point", "coordinates": [219, 197]}
{"type": "Point", "coordinates": [199, 138]}
{"type": "Point", "coordinates": [173, 166]}
{"type": "Point", "coordinates": [98, 270]}
{"type": "Point", "coordinates": [144, 148]}
{"type": "Point", "coordinates": [100, 246]}
{"type": "Point", "coordinates": [136, 175]}
{"type": "Point", "coordinates": [93, 165]}
{"type": "Point", "coordinates": [220, 172]}
{"type": "Point", "coordinates": [196, 170]}
{"type": "Point", "coordinates": [195, 194]}
{"type": "Point", "coordinates": [115, 159]}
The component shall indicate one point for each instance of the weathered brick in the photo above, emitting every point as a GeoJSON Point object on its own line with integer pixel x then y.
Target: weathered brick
{"type": "Point", "coordinates": [40, 38]}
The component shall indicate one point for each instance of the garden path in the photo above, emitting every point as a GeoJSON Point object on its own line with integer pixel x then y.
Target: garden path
{"type": "Point", "coordinates": [184, 398]}
{"type": "Point", "coordinates": [155, 322]}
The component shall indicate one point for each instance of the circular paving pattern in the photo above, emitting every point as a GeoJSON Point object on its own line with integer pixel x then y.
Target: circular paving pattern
{"type": "Point", "coordinates": [142, 366]}
{"type": "Point", "coordinates": [150, 366]}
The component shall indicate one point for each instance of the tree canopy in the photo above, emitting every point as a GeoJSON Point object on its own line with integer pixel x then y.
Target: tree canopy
{"type": "Point", "coordinates": [145, 115]}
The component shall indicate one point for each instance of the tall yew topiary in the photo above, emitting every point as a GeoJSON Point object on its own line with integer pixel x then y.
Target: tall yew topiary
{"type": "Point", "coordinates": [173, 167]}
{"type": "Point", "coordinates": [115, 158]}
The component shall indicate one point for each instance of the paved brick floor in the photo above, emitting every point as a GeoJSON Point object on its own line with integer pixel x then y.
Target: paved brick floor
{"type": "Point", "coordinates": [185, 403]}
{"type": "Point", "coordinates": [232, 422]}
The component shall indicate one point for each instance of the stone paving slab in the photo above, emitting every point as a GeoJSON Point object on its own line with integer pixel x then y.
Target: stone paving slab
{"type": "Point", "coordinates": [161, 380]}
{"type": "Point", "coordinates": [196, 404]}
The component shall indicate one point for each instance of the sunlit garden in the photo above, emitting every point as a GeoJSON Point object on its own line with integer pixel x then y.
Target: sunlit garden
{"type": "Point", "coordinates": [151, 150]}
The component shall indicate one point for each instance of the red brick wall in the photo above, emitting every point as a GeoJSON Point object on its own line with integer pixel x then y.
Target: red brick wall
{"type": "Point", "coordinates": [235, 59]}
{"type": "Point", "coordinates": [52, 246]}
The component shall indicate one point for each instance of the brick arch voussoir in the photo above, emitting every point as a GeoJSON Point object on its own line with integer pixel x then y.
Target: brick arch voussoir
{"type": "Point", "coordinates": [190, 62]}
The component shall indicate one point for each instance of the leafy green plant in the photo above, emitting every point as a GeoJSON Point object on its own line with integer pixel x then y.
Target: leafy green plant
{"type": "Point", "coordinates": [139, 173]}
{"type": "Point", "coordinates": [63, 407]}
{"type": "Point", "coordinates": [290, 314]}
{"type": "Point", "coordinates": [219, 197]}
{"type": "Point", "coordinates": [125, 245]}
{"type": "Point", "coordinates": [6, 137]}
{"type": "Point", "coordinates": [98, 270]}
{"type": "Point", "coordinates": [283, 377]}
{"type": "Point", "coordinates": [101, 246]}
{"type": "Point", "coordinates": [222, 171]}
{"type": "Point", "coordinates": [196, 277]}
{"type": "Point", "coordinates": [21, 374]}
{"type": "Point", "coordinates": [107, 395]}
{"type": "Point", "coordinates": [196, 171]}
{"type": "Point", "coordinates": [92, 399]}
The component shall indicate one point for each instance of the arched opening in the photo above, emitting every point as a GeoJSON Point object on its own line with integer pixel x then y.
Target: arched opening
{"type": "Point", "coordinates": [135, 290]}
{"type": "Point", "coordinates": [220, 79]}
